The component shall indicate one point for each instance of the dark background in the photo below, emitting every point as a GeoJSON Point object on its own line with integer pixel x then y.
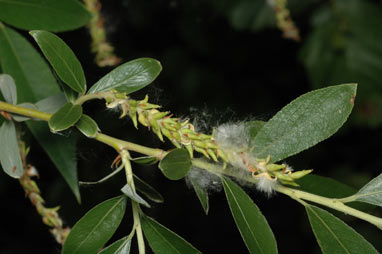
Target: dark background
{"type": "Point", "coordinates": [215, 73]}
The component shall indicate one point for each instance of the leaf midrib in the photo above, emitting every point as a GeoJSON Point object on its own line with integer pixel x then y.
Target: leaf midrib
{"type": "Point", "coordinates": [329, 229]}
{"type": "Point", "coordinates": [246, 222]}
{"type": "Point", "coordinates": [161, 236]}
{"type": "Point", "coordinates": [18, 60]}
{"type": "Point", "coordinates": [67, 66]}
{"type": "Point", "coordinates": [286, 133]}
{"type": "Point", "coordinates": [97, 225]}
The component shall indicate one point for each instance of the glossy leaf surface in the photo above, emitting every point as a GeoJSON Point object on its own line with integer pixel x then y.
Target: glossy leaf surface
{"type": "Point", "coordinates": [65, 117]}
{"type": "Point", "coordinates": [96, 227]}
{"type": "Point", "coordinates": [129, 77]}
{"type": "Point", "coordinates": [35, 82]}
{"type": "Point", "coordinates": [62, 59]}
{"type": "Point", "coordinates": [334, 236]}
{"type": "Point", "coordinates": [33, 77]}
{"type": "Point", "coordinates": [128, 191]}
{"type": "Point", "coordinates": [253, 227]}
{"type": "Point", "coordinates": [372, 192]}
{"type": "Point", "coordinates": [176, 164]}
{"type": "Point", "coordinates": [304, 122]}
{"type": "Point", "coordinates": [52, 15]}
{"type": "Point", "coordinates": [87, 126]}
{"type": "Point", "coordinates": [122, 246]}
{"type": "Point", "coordinates": [8, 88]}
{"type": "Point", "coordinates": [164, 241]}
{"type": "Point", "coordinates": [9, 150]}
{"type": "Point", "coordinates": [147, 190]}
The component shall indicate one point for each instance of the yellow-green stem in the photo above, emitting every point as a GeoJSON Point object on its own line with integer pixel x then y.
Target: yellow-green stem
{"type": "Point", "coordinates": [120, 145]}
{"type": "Point", "coordinates": [92, 96]}
{"type": "Point", "coordinates": [135, 206]}
{"type": "Point", "coordinates": [24, 111]}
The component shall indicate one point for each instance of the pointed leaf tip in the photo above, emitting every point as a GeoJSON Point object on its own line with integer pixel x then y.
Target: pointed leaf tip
{"type": "Point", "coordinates": [62, 59]}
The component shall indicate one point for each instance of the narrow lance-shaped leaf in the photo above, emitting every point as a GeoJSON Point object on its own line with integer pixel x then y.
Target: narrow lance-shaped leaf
{"type": "Point", "coordinates": [62, 59]}
{"type": "Point", "coordinates": [9, 150]}
{"type": "Point", "coordinates": [122, 246]}
{"type": "Point", "coordinates": [128, 191]}
{"type": "Point", "coordinates": [129, 77]}
{"type": "Point", "coordinates": [304, 122]}
{"type": "Point", "coordinates": [253, 227]}
{"type": "Point", "coordinates": [333, 189]}
{"type": "Point", "coordinates": [176, 164]}
{"type": "Point", "coordinates": [35, 82]}
{"type": "Point", "coordinates": [371, 193]}
{"type": "Point", "coordinates": [96, 227]}
{"type": "Point", "coordinates": [87, 126]}
{"type": "Point", "coordinates": [145, 160]}
{"type": "Point", "coordinates": [147, 190]}
{"type": "Point", "coordinates": [52, 15]}
{"type": "Point", "coordinates": [164, 241]}
{"type": "Point", "coordinates": [334, 236]}
{"type": "Point", "coordinates": [65, 117]}
{"type": "Point", "coordinates": [33, 77]}
{"type": "Point", "coordinates": [200, 191]}
{"type": "Point", "coordinates": [8, 88]}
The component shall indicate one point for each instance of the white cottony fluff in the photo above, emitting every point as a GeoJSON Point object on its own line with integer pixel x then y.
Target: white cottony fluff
{"type": "Point", "coordinates": [232, 136]}
{"type": "Point", "coordinates": [266, 185]}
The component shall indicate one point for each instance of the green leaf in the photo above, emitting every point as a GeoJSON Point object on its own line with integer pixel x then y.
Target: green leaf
{"type": "Point", "coordinates": [371, 193]}
{"type": "Point", "coordinates": [176, 164]}
{"type": "Point", "coordinates": [51, 104]}
{"type": "Point", "coordinates": [9, 150]}
{"type": "Point", "coordinates": [128, 191]}
{"type": "Point", "coordinates": [65, 117]}
{"type": "Point", "coordinates": [62, 59]}
{"type": "Point", "coordinates": [145, 160]}
{"type": "Point", "coordinates": [330, 188]}
{"type": "Point", "coordinates": [33, 77]}
{"type": "Point", "coordinates": [122, 246]}
{"type": "Point", "coordinates": [35, 81]}
{"type": "Point", "coordinates": [87, 126]}
{"type": "Point", "coordinates": [254, 127]}
{"type": "Point", "coordinates": [201, 193]}
{"type": "Point", "coordinates": [304, 122]}
{"type": "Point", "coordinates": [147, 190]}
{"type": "Point", "coordinates": [96, 227]}
{"type": "Point", "coordinates": [334, 236]}
{"type": "Point", "coordinates": [324, 186]}
{"type": "Point", "coordinates": [129, 77]}
{"type": "Point", "coordinates": [164, 241]}
{"type": "Point", "coordinates": [253, 227]}
{"type": "Point", "coordinates": [62, 152]}
{"type": "Point", "coordinates": [52, 15]}
{"type": "Point", "coordinates": [8, 88]}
